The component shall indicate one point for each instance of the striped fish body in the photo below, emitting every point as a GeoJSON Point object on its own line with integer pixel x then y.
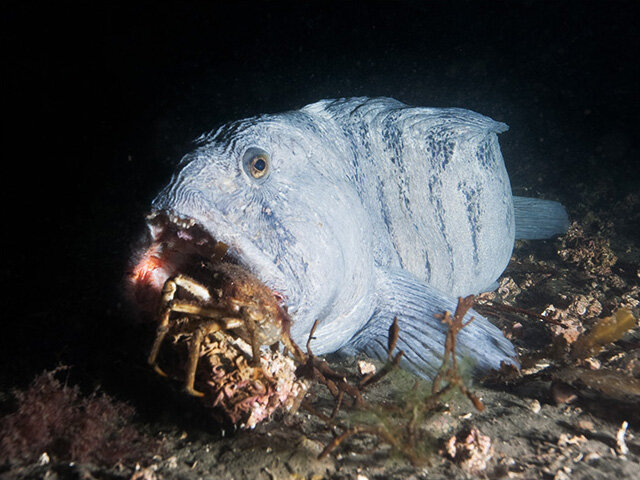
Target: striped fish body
{"type": "Point", "coordinates": [358, 211]}
{"type": "Point", "coordinates": [435, 184]}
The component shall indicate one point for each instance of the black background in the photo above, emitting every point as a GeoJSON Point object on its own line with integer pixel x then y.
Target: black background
{"type": "Point", "coordinates": [102, 98]}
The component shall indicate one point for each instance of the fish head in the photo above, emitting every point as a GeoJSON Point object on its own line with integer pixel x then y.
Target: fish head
{"type": "Point", "coordinates": [277, 194]}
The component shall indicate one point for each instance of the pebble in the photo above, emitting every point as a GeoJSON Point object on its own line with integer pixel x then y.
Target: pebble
{"type": "Point", "coordinates": [535, 406]}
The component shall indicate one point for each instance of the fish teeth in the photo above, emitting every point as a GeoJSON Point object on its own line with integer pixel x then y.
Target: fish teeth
{"type": "Point", "coordinates": [181, 222]}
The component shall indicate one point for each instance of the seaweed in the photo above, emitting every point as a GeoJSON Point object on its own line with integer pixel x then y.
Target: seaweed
{"type": "Point", "coordinates": [398, 422]}
{"type": "Point", "coordinates": [55, 419]}
{"type": "Point", "coordinates": [607, 330]}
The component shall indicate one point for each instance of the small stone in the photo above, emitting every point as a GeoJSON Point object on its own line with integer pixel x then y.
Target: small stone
{"type": "Point", "coordinates": [592, 363]}
{"type": "Point", "coordinates": [144, 474]}
{"type": "Point", "coordinates": [585, 425]}
{"type": "Point", "coordinates": [621, 445]}
{"type": "Point", "coordinates": [592, 456]}
{"type": "Point", "coordinates": [508, 287]}
{"type": "Point", "coordinates": [535, 406]}
{"type": "Point", "coordinates": [562, 393]}
{"type": "Point", "coordinates": [366, 368]}
{"type": "Point", "coordinates": [565, 440]}
{"type": "Point", "coordinates": [470, 449]}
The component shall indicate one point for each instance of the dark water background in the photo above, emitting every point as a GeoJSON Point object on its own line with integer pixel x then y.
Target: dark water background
{"type": "Point", "coordinates": [103, 98]}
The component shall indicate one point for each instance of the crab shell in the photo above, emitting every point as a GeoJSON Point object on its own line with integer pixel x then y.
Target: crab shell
{"type": "Point", "coordinates": [241, 291]}
{"type": "Point", "coordinates": [175, 246]}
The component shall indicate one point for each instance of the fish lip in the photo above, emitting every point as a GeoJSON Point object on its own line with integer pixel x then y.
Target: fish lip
{"type": "Point", "coordinates": [240, 249]}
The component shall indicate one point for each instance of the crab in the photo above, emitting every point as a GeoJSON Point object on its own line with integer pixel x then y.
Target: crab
{"type": "Point", "coordinates": [241, 311]}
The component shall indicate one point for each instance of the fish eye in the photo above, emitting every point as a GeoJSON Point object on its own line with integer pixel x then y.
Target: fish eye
{"type": "Point", "coordinates": [256, 163]}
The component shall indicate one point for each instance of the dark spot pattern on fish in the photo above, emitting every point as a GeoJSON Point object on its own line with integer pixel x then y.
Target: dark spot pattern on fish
{"type": "Point", "coordinates": [435, 192]}
{"type": "Point", "coordinates": [393, 146]}
{"type": "Point", "coordinates": [365, 196]}
{"type": "Point", "coordinates": [427, 266]}
{"type": "Point", "coordinates": [384, 208]}
{"type": "Point", "coordinates": [473, 214]}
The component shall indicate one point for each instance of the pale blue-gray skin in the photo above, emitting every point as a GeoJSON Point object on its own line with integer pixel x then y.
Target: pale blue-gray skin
{"type": "Point", "coordinates": [370, 210]}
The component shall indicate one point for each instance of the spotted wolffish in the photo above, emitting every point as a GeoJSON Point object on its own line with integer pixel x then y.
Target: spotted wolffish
{"type": "Point", "coordinates": [353, 212]}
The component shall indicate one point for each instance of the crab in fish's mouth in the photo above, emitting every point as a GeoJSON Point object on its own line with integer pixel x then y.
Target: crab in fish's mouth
{"type": "Point", "coordinates": [179, 244]}
{"type": "Point", "coordinates": [202, 295]}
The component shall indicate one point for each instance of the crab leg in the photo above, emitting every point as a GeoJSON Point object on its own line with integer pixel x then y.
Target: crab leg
{"type": "Point", "coordinates": [251, 330]}
{"type": "Point", "coordinates": [168, 292]}
{"type": "Point", "coordinates": [167, 305]}
{"type": "Point", "coordinates": [194, 348]}
{"type": "Point", "coordinates": [161, 332]}
{"type": "Point", "coordinates": [183, 306]}
{"type": "Point", "coordinates": [211, 319]}
{"type": "Point", "coordinates": [194, 353]}
{"type": "Point", "coordinates": [190, 285]}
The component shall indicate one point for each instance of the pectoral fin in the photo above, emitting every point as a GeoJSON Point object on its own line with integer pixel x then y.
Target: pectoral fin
{"type": "Point", "coordinates": [422, 335]}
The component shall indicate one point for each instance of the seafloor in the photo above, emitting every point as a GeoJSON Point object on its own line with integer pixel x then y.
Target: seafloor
{"type": "Point", "coordinates": [559, 418]}
{"type": "Point", "coordinates": [104, 100]}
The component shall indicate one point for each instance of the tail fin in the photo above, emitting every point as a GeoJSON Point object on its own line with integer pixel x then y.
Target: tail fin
{"type": "Point", "coordinates": [422, 335]}
{"type": "Point", "coordinates": [537, 219]}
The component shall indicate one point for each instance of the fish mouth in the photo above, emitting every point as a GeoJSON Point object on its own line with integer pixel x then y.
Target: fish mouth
{"type": "Point", "coordinates": [180, 244]}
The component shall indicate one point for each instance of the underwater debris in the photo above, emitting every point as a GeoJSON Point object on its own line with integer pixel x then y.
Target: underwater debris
{"type": "Point", "coordinates": [581, 364]}
{"type": "Point", "coordinates": [603, 383]}
{"type": "Point", "coordinates": [592, 253]}
{"type": "Point", "coordinates": [492, 307]}
{"type": "Point", "coordinates": [55, 422]}
{"type": "Point", "coordinates": [569, 299]}
{"type": "Point", "coordinates": [577, 373]}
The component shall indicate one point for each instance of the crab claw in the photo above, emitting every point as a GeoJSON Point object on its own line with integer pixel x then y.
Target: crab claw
{"type": "Point", "coordinates": [192, 391]}
{"type": "Point", "coordinates": [159, 371]}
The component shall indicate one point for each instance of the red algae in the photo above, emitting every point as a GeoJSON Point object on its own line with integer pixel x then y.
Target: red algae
{"type": "Point", "coordinates": [56, 419]}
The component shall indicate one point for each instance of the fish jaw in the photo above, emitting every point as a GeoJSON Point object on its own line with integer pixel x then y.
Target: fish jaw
{"type": "Point", "coordinates": [176, 243]}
